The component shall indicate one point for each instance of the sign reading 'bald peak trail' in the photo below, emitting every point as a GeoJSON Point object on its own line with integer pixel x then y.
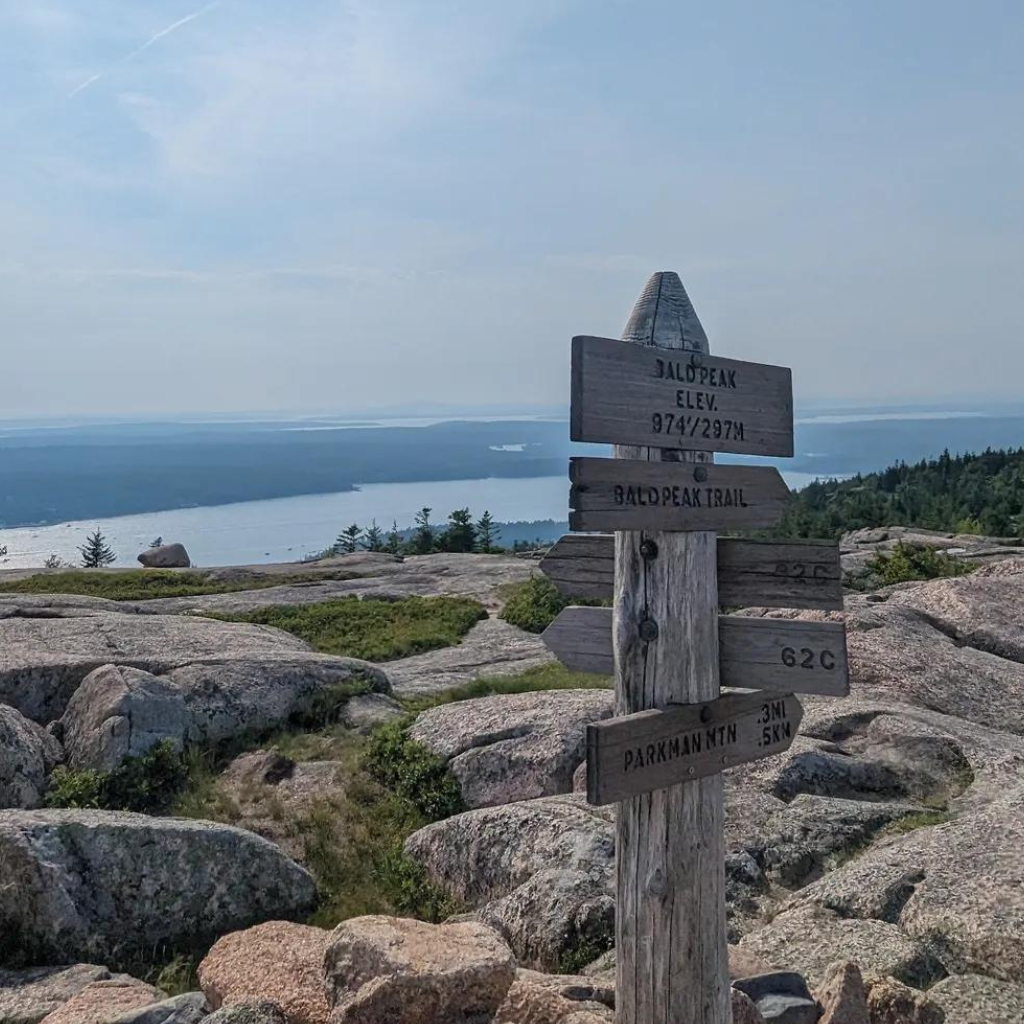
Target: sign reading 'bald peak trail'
{"type": "Point", "coordinates": [665, 398]}
{"type": "Point", "coordinates": [652, 749]}
{"type": "Point", "coordinates": [626, 494]}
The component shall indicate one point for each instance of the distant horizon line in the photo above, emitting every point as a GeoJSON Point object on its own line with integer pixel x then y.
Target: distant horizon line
{"type": "Point", "coordinates": [981, 406]}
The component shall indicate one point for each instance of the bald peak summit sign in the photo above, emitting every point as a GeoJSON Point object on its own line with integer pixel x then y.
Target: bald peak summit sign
{"type": "Point", "coordinates": [665, 398]}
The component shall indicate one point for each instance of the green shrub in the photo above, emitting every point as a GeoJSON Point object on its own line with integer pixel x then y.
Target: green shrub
{"type": "Point", "coordinates": [410, 770]}
{"type": "Point", "coordinates": [148, 783]}
{"type": "Point", "coordinates": [373, 629]}
{"type": "Point", "coordinates": [582, 954]}
{"type": "Point", "coordinates": [82, 790]}
{"type": "Point", "coordinates": [534, 604]}
{"type": "Point", "coordinates": [908, 562]}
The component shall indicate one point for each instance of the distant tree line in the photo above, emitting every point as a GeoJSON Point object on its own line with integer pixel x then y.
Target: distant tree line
{"type": "Point", "coordinates": [981, 494]}
{"type": "Point", "coordinates": [460, 533]}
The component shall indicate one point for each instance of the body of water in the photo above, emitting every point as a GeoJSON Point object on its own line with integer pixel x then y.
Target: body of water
{"type": "Point", "coordinates": [286, 529]}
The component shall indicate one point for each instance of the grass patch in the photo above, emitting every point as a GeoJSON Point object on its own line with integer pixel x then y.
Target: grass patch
{"type": "Point", "coordinates": [921, 819]}
{"type": "Point", "coordinates": [544, 677]}
{"type": "Point", "coordinates": [908, 562]}
{"type": "Point", "coordinates": [147, 584]}
{"type": "Point", "coordinates": [373, 629]}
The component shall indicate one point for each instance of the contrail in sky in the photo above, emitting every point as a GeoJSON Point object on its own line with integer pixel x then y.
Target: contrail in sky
{"type": "Point", "coordinates": [145, 46]}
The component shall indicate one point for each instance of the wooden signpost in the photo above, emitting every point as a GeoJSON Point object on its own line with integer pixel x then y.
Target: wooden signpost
{"type": "Point", "coordinates": [666, 404]}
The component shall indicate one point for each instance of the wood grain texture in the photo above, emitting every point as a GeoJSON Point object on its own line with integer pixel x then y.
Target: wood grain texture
{"type": "Point", "coordinates": [615, 494]}
{"type": "Point", "coordinates": [643, 395]}
{"type": "Point", "coordinates": [653, 749]}
{"type": "Point", "coordinates": [787, 655]}
{"type": "Point", "coordinates": [751, 573]}
{"type": "Point", "coordinates": [781, 655]}
{"type": "Point", "coordinates": [672, 962]}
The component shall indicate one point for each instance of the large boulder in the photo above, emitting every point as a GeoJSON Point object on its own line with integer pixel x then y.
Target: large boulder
{"type": "Point", "coordinates": [277, 962]}
{"type": "Point", "coordinates": [166, 556]}
{"type": "Point", "coordinates": [45, 656]}
{"type": "Point", "coordinates": [104, 1001]}
{"type": "Point", "coordinates": [187, 1008]}
{"type": "Point", "coordinates": [541, 872]}
{"type": "Point", "coordinates": [955, 889]}
{"type": "Point", "coordinates": [119, 711]}
{"type": "Point", "coordinates": [28, 754]}
{"type": "Point", "coordinates": [808, 938]}
{"type": "Point", "coordinates": [485, 854]}
{"type": "Point", "coordinates": [491, 648]}
{"type": "Point", "coordinates": [556, 999]}
{"type": "Point", "coordinates": [516, 746]}
{"type": "Point", "coordinates": [29, 994]}
{"type": "Point", "coordinates": [388, 969]}
{"type": "Point", "coordinates": [975, 999]}
{"type": "Point", "coordinates": [108, 885]}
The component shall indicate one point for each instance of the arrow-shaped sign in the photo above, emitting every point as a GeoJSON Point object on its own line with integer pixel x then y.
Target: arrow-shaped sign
{"type": "Point", "coordinates": [751, 573]}
{"type": "Point", "coordinates": [626, 494]}
{"type": "Point", "coordinates": [654, 749]}
{"type": "Point", "coordinates": [783, 655]}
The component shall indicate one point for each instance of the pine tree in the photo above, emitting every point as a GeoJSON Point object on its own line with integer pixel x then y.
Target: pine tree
{"type": "Point", "coordinates": [423, 539]}
{"type": "Point", "coordinates": [348, 539]}
{"type": "Point", "coordinates": [95, 553]}
{"type": "Point", "coordinates": [461, 533]}
{"type": "Point", "coordinates": [394, 544]}
{"type": "Point", "coordinates": [487, 534]}
{"type": "Point", "coordinates": [373, 539]}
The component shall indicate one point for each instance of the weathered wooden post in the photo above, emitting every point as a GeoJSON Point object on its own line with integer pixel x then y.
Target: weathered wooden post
{"type": "Point", "coordinates": [667, 404]}
{"type": "Point", "coordinates": [672, 957]}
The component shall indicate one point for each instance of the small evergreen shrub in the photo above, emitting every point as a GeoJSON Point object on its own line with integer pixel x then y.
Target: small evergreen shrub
{"type": "Point", "coordinates": [907, 562]}
{"type": "Point", "coordinates": [534, 604]}
{"type": "Point", "coordinates": [148, 783]}
{"type": "Point", "coordinates": [409, 769]}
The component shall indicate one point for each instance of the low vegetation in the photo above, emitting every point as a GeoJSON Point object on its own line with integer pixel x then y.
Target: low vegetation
{"type": "Point", "coordinates": [552, 676]}
{"type": "Point", "coordinates": [372, 629]}
{"type": "Point", "coordinates": [907, 562]}
{"type": "Point", "coordinates": [145, 584]}
{"type": "Point", "coordinates": [148, 783]}
{"type": "Point", "coordinates": [535, 603]}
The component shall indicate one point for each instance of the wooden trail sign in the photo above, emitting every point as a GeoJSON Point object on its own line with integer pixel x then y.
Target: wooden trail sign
{"type": "Point", "coordinates": [652, 749]}
{"type": "Point", "coordinates": [781, 655]}
{"type": "Point", "coordinates": [621, 494]}
{"type": "Point", "coordinates": [751, 573]}
{"type": "Point", "coordinates": [642, 395]}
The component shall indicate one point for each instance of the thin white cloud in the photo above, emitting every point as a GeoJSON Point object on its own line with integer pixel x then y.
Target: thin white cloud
{"type": "Point", "coordinates": [156, 37]}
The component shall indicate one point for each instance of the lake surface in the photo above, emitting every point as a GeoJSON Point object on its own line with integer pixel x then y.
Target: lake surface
{"type": "Point", "coordinates": [286, 529]}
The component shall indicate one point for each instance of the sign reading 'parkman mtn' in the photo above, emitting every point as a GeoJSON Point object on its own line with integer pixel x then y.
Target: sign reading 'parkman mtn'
{"type": "Point", "coordinates": [641, 395]}
{"type": "Point", "coordinates": [651, 749]}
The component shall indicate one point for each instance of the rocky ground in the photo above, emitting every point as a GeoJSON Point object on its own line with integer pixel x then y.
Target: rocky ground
{"type": "Point", "coordinates": [875, 870]}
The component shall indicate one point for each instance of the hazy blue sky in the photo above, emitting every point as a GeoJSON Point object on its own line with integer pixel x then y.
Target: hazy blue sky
{"type": "Point", "coordinates": [324, 204]}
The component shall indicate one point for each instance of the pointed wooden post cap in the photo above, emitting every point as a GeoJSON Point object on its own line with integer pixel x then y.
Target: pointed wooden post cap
{"type": "Point", "coordinates": [664, 316]}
